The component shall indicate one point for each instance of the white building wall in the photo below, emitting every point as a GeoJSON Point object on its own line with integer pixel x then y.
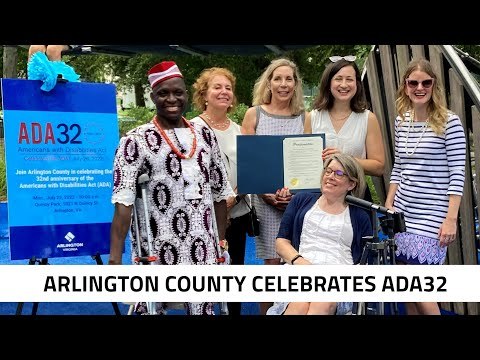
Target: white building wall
{"type": "Point", "coordinates": [128, 99]}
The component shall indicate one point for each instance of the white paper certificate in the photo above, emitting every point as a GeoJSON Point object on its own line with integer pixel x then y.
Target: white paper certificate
{"type": "Point", "coordinates": [302, 162]}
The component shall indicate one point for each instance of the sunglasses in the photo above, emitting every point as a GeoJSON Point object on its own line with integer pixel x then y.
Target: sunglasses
{"type": "Point", "coordinates": [337, 58]}
{"type": "Point", "coordinates": [337, 174]}
{"type": "Point", "coordinates": [412, 84]}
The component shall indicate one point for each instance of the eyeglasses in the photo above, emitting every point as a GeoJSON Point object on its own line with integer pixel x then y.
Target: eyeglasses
{"type": "Point", "coordinates": [337, 174]}
{"type": "Point", "coordinates": [412, 84]}
{"type": "Point", "coordinates": [348, 58]}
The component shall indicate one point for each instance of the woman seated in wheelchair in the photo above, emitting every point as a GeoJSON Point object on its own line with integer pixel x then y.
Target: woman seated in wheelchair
{"type": "Point", "coordinates": [322, 229]}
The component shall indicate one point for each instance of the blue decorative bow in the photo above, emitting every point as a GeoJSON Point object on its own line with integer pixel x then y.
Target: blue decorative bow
{"type": "Point", "coordinates": [40, 68]}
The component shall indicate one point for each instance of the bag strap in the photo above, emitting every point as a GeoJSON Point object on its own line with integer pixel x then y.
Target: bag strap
{"type": "Point", "coordinates": [249, 207]}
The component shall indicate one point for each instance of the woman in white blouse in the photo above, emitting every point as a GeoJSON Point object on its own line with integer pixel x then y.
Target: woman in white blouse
{"type": "Point", "coordinates": [340, 112]}
{"type": "Point", "coordinates": [214, 94]}
{"type": "Point", "coordinates": [322, 229]}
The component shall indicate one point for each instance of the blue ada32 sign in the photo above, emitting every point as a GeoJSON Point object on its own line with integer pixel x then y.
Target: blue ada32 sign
{"type": "Point", "coordinates": [59, 148]}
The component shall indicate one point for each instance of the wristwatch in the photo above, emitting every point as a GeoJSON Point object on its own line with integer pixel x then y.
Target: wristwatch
{"type": "Point", "coordinates": [238, 198]}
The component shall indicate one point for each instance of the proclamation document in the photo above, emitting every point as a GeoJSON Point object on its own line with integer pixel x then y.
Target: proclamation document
{"type": "Point", "coordinates": [302, 162]}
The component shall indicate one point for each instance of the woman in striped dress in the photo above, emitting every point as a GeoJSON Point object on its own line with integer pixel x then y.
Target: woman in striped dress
{"type": "Point", "coordinates": [428, 175]}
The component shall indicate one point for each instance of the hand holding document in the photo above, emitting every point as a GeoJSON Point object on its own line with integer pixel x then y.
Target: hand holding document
{"type": "Point", "coordinates": [302, 162]}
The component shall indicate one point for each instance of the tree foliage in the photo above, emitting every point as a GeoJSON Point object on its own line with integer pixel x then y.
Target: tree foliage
{"type": "Point", "coordinates": [22, 54]}
{"type": "Point", "coordinates": [472, 50]}
{"type": "Point", "coordinates": [312, 61]}
{"type": "Point", "coordinates": [128, 72]}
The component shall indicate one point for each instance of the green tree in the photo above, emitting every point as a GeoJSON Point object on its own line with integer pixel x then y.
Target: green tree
{"type": "Point", "coordinates": [22, 55]}
{"type": "Point", "coordinates": [472, 50]}
{"type": "Point", "coordinates": [312, 61]}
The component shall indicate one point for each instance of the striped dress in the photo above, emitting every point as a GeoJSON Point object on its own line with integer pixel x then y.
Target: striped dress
{"type": "Point", "coordinates": [428, 168]}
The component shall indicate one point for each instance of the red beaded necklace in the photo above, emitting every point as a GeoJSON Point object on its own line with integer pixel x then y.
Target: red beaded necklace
{"type": "Point", "coordinates": [169, 142]}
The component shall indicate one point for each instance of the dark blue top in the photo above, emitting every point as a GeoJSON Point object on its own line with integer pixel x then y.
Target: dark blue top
{"type": "Point", "coordinates": [292, 222]}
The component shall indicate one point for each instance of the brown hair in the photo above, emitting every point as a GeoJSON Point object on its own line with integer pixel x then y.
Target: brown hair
{"type": "Point", "coordinates": [325, 99]}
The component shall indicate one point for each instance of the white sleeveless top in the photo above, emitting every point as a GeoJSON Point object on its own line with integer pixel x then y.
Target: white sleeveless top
{"type": "Point", "coordinates": [351, 137]}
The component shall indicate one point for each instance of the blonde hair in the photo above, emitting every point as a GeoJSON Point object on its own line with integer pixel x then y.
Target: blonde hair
{"type": "Point", "coordinates": [353, 170]}
{"type": "Point", "coordinates": [263, 95]}
{"type": "Point", "coordinates": [200, 86]}
{"type": "Point", "coordinates": [437, 110]}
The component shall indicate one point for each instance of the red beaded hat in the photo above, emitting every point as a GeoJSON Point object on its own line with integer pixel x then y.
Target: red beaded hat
{"type": "Point", "coordinates": [163, 71]}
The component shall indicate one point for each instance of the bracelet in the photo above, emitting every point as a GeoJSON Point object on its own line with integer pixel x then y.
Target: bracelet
{"type": "Point", "coordinates": [295, 258]}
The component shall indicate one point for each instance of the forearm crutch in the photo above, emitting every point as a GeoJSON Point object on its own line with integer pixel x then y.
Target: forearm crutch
{"type": "Point", "coordinates": [151, 258]}
{"type": "Point", "coordinates": [224, 256]}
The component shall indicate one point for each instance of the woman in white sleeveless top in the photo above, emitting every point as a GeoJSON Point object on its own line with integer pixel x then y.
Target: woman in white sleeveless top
{"type": "Point", "coordinates": [340, 111]}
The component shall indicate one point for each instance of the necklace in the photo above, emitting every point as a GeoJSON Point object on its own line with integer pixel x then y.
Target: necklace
{"type": "Point", "coordinates": [221, 125]}
{"type": "Point", "coordinates": [410, 125]}
{"type": "Point", "coordinates": [340, 118]}
{"type": "Point", "coordinates": [169, 142]}
{"type": "Point", "coordinates": [287, 122]}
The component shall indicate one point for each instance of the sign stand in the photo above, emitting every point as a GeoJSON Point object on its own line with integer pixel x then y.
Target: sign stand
{"type": "Point", "coordinates": [33, 260]}
{"type": "Point", "coordinates": [44, 261]}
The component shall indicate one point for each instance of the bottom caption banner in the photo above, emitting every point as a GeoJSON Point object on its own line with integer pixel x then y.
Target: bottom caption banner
{"type": "Point", "coordinates": [243, 283]}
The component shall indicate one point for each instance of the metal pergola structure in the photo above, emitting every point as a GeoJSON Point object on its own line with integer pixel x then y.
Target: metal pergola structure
{"type": "Point", "coordinates": [197, 50]}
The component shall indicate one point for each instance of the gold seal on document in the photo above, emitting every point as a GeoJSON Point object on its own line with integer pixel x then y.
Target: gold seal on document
{"type": "Point", "coordinates": [294, 182]}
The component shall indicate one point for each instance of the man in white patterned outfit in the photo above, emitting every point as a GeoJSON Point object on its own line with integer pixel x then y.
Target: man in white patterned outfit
{"type": "Point", "coordinates": [187, 176]}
